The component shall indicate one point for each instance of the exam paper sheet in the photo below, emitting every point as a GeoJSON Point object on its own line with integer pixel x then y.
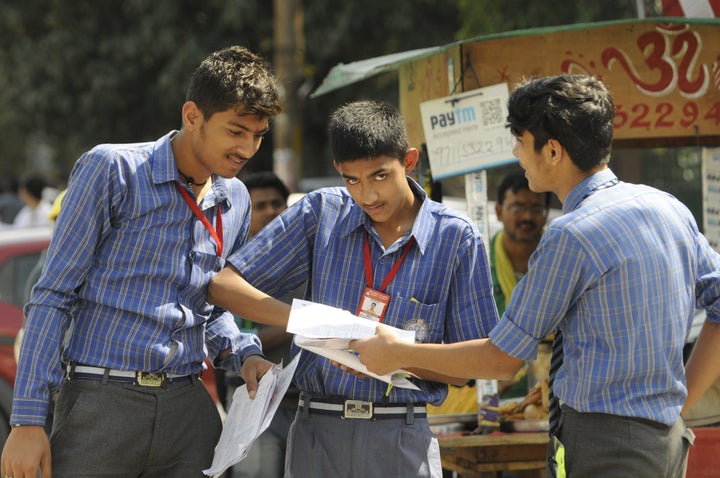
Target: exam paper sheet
{"type": "Point", "coordinates": [327, 331]}
{"type": "Point", "coordinates": [247, 419]}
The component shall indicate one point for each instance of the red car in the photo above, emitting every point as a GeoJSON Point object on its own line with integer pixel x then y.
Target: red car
{"type": "Point", "coordinates": [20, 252]}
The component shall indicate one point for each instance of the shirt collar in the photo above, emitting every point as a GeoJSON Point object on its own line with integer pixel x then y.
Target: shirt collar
{"type": "Point", "coordinates": [421, 229]}
{"type": "Point", "coordinates": [164, 168]}
{"type": "Point", "coordinates": [587, 186]}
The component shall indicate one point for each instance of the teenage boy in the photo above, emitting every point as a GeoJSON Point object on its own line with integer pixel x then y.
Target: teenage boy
{"type": "Point", "coordinates": [379, 239]}
{"type": "Point", "coordinates": [118, 321]}
{"type": "Point", "coordinates": [618, 275]}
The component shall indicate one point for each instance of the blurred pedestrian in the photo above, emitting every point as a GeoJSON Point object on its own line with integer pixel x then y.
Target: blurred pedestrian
{"type": "Point", "coordinates": [36, 209]}
{"type": "Point", "coordinates": [266, 459]}
{"type": "Point", "coordinates": [10, 202]}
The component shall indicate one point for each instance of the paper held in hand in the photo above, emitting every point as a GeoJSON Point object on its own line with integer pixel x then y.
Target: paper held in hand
{"type": "Point", "coordinates": [327, 331]}
{"type": "Point", "coordinates": [247, 418]}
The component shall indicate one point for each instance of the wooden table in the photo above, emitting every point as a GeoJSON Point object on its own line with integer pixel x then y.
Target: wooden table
{"type": "Point", "coordinates": [486, 455]}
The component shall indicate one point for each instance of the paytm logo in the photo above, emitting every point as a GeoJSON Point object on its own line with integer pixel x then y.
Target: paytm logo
{"type": "Point", "coordinates": [458, 116]}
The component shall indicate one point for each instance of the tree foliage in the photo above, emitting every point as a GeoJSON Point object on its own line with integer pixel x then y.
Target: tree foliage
{"type": "Point", "coordinates": [481, 17]}
{"type": "Point", "coordinates": [85, 72]}
{"type": "Point", "coordinates": [77, 73]}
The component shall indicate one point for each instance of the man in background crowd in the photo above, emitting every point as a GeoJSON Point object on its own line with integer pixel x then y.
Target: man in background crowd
{"type": "Point", "coordinates": [523, 214]}
{"type": "Point", "coordinates": [36, 209]}
{"type": "Point", "coordinates": [266, 459]}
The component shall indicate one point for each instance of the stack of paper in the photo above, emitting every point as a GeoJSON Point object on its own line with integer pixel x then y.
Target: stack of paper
{"type": "Point", "coordinates": [247, 419]}
{"type": "Point", "coordinates": [327, 331]}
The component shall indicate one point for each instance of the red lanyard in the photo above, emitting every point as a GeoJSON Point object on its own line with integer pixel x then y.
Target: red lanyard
{"type": "Point", "coordinates": [393, 272]}
{"type": "Point", "coordinates": [217, 233]}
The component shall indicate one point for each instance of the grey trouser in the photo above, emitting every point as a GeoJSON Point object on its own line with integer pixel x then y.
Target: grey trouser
{"type": "Point", "coordinates": [331, 446]}
{"type": "Point", "coordinates": [266, 458]}
{"type": "Point", "coordinates": [599, 445]}
{"type": "Point", "coordinates": [122, 430]}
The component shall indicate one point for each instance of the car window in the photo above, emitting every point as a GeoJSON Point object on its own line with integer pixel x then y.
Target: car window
{"type": "Point", "coordinates": [14, 273]}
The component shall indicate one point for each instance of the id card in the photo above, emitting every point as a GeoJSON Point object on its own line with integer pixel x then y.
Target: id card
{"type": "Point", "coordinates": [373, 305]}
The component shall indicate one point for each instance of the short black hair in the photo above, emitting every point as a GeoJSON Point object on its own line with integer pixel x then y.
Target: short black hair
{"type": "Point", "coordinates": [516, 182]}
{"type": "Point", "coordinates": [576, 110]}
{"type": "Point", "coordinates": [266, 179]}
{"type": "Point", "coordinates": [234, 77]}
{"type": "Point", "coordinates": [367, 129]}
{"type": "Point", "coordinates": [34, 184]}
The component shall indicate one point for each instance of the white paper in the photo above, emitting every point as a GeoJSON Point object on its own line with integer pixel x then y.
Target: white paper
{"type": "Point", "coordinates": [327, 331]}
{"type": "Point", "coordinates": [247, 419]}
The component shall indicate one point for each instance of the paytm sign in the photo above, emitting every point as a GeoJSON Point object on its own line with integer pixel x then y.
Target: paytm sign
{"type": "Point", "coordinates": [466, 132]}
{"type": "Point", "coordinates": [457, 116]}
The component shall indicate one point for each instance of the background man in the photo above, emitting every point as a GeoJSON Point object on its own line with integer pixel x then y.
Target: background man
{"type": "Point", "coordinates": [266, 459]}
{"type": "Point", "coordinates": [523, 214]}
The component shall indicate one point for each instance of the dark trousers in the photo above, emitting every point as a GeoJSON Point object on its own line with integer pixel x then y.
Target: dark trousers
{"type": "Point", "coordinates": [599, 445]}
{"type": "Point", "coordinates": [121, 430]}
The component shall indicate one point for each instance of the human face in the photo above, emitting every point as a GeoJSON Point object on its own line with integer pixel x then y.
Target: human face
{"type": "Point", "coordinates": [225, 142]}
{"type": "Point", "coordinates": [267, 204]}
{"type": "Point", "coordinates": [523, 215]}
{"type": "Point", "coordinates": [379, 186]}
{"type": "Point", "coordinates": [537, 170]}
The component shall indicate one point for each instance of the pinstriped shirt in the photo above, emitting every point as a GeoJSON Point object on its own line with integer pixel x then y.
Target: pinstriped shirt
{"type": "Point", "coordinates": [442, 290]}
{"type": "Point", "coordinates": [129, 263]}
{"type": "Point", "coordinates": [620, 273]}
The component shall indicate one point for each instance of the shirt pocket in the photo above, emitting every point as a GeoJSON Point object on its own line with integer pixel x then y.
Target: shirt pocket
{"type": "Point", "coordinates": [427, 320]}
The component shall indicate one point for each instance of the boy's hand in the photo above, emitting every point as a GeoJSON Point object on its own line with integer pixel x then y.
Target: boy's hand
{"type": "Point", "coordinates": [253, 369]}
{"type": "Point", "coordinates": [379, 353]}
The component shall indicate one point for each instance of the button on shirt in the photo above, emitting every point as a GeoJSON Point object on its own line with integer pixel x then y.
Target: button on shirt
{"type": "Point", "coordinates": [620, 273]}
{"type": "Point", "coordinates": [442, 290]}
{"type": "Point", "coordinates": [128, 265]}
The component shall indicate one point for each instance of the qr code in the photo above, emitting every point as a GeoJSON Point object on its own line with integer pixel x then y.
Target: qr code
{"type": "Point", "coordinates": [491, 112]}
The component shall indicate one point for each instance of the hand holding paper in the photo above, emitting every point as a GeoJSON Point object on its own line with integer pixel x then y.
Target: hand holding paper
{"type": "Point", "coordinates": [247, 418]}
{"type": "Point", "coordinates": [327, 331]}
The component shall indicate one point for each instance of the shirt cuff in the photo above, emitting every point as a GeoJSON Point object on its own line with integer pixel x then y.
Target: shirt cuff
{"type": "Point", "coordinates": [28, 412]}
{"type": "Point", "coordinates": [513, 340]}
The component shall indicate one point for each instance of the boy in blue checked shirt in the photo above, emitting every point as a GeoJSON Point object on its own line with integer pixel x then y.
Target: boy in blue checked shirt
{"type": "Point", "coordinates": [118, 321]}
{"type": "Point", "coordinates": [618, 275]}
{"type": "Point", "coordinates": [379, 239]}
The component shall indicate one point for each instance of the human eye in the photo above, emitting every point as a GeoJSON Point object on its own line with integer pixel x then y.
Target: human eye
{"type": "Point", "coordinates": [380, 176]}
{"type": "Point", "coordinates": [351, 181]}
{"type": "Point", "coordinates": [516, 208]}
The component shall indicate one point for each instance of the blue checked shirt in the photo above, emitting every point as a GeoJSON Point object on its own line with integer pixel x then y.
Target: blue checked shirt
{"type": "Point", "coordinates": [620, 273]}
{"type": "Point", "coordinates": [442, 290]}
{"type": "Point", "coordinates": [126, 273]}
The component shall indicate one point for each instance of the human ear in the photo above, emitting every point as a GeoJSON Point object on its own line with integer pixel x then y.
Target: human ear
{"type": "Point", "coordinates": [191, 115]}
{"type": "Point", "coordinates": [555, 150]}
{"type": "Point", "coordinates": [411, 159]}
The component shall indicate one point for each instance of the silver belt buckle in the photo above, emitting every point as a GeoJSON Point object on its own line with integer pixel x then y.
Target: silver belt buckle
{"type": "Point", "coordinates": [148, 379]}
{"type": "Point", "coordinates": [358, 409]}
